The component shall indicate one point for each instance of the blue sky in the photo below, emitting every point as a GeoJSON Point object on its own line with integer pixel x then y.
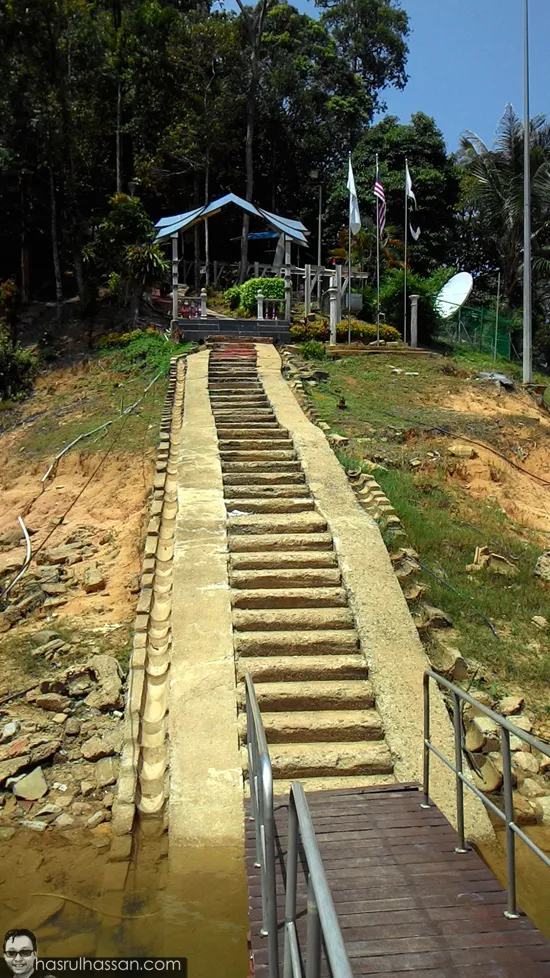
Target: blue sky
{"type": "Point", "coordinates": [466, 62]}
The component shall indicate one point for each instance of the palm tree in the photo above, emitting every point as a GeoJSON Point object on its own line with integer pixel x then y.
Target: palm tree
{"type": "Point", "coordinates": [498, 176]}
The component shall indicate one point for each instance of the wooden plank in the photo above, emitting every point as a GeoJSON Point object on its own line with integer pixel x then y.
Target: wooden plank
{"type": "Point", "coordinates": [407, 902]}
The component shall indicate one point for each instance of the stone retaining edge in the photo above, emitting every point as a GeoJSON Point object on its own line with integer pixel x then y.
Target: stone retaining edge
{"type": "Point", "coordinates": [142, 780]}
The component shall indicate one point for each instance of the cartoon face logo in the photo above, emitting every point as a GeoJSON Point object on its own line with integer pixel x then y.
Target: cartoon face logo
{"type": "Point", "coordinates": [20, 952]}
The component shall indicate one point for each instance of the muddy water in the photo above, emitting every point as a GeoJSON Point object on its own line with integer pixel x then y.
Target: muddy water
{"type": "Point", "coordinates": [533, 877]}
{"type": "Point", "coordinates": [196, 908]}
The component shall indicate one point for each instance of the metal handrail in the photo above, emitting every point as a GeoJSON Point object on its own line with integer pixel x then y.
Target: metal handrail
{"type": "Point", "coordinates": [506, 728]}
{"type": "Point", "coordinates": [260, 777]}
{"type": "Point", "coordinates": [322, 922]}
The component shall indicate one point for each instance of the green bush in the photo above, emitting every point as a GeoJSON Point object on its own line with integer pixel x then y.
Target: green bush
{"type": "Point", "coordinates": [306, 330]}
{"type": "Point", "coordinates": [233, 296]}
{"type": "Point", "coordinates": [366, 332]}
{"type": "Point", "coordinates": [391, 301]}
{"type": "Point", "coordinates": [17, 370]}
{"type": "Point", "coordinates": [313, 350]}
{"type": "Point", "coordinates": [148, 350]}
{"type": "Point", "coordinates": [272, 288]}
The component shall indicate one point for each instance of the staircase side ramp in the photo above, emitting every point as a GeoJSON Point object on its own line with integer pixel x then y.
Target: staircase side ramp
{"type": "Point", "coordinates": [406, 900]}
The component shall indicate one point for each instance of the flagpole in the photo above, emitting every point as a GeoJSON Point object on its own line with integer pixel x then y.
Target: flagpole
{"type": "Point", "coordinates": [406, 252]}
{"type": "Point", "coordinates": [349, 269]}
{"type": "Point", "coordinates": [377, 260]}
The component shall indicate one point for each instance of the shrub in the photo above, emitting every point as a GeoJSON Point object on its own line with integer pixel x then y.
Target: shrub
{"type": "Point", "coordinates": [366, 332]}
{"type": "Point", "coordinates": [391, 301]}
{"type": "Point", "coordinates": [143, 350]}
{"type": "Point", "coordinates": [17, 370]}
{"type": "Point", "coordinates": [272, 288]}
{"type": "Point", "coordinates": [233, 296]}
{"type": "Point", "coordinates": [313, 350]}
{"type": "Point", "coordinates": [306, 330]}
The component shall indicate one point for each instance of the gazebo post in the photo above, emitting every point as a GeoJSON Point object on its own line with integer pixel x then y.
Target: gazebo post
{"type": "Point", "coordinates": [288, 282]}
{"type": "Point", "coordinates": [175, 276]}
{"type": "Point", "coordinates": [307, 289]}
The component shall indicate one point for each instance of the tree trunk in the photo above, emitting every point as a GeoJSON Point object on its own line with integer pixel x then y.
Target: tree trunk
{"type": "Point", "coordinates": [24, 249]}
{"type": "Point", "coordinates": [55, 250]}
{"type": "Point", "coordinates": [249, 156]}
{"type": "Point", "coordinates": [206, 230]}
{"type": "Point", "coordinates": [119, 139]}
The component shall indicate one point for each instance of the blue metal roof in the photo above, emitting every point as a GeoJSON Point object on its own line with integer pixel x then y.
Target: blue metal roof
{"type": "Point", "coordinates": [179, 222]}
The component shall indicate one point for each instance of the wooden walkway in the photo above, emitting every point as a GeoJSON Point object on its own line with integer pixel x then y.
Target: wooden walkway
{"type": "Point", "coordinates": [406, 901]}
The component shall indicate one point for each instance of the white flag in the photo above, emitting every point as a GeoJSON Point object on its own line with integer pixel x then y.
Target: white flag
{"type": "Point", "coordinates": [411, 195]}
{"type": "Point", "coordinates": [354, 215]}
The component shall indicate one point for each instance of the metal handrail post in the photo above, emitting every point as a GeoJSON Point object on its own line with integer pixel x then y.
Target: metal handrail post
{"type": "Point", "coordinates": [507, 728]}
{"type": "Point", "coordinates": [459, 782]}
{"type": "Point", "coordinates": [426, 785]}
{"type": "Point", "coordinates": [313, 938]}
{"type": "Point", "coordinates": [511, 910]}
{"type": "Point", "coordinates": [291, 887]}
{"type": "Point", "coordinates": [260, 778]}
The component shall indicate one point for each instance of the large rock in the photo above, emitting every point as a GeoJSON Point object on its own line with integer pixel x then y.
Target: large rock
{"type": "Point", "coordinates": [545, 808]}
{"type": "Point", "coordinates": [542, 568]}
{"type": "Point", "coordinates": [106, 670]}
{"type": "Point", "coordinates": [532, 789]}
{"type": "Point", "coordinates": [9, 730]}
{"type": "Point", "coordinates": [44, 636]}
{"type": "Point", "coordinates": [489, 779]}
{"type": "Point", "coordinates": [42, 752]}
{"type": "Point", "coordinates": [511, 705]}
{"type": "Point", "coordinates": [526, 812]}
{"type": "Point", "coordinates": [53, 702]}
{"type": "Point", "coordinates": [525, 762]}
{"type": "Point", "coordinates": [93, 580]}
{"type": "Point", "coordinates": [105, 772]}
{"type": "Point", "coordinates": [97, 747]}
{"type": "Point", "coordinates": [10, 767]}
{"type": "Point", "coordinates": [32, 786]}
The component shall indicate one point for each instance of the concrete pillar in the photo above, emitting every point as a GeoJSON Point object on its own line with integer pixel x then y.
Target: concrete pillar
{"type": "Point", "coordinates": [175, 275]}
{"type": "Point", "coordinates": [307, 289]}
{"type": "Point", "coordinates": [256, 269]}
{"type": "Point", "coordinates": [203, 304]}
{"type": "Point", "coordinates": [215, 273]}
{"type": "Point", "coordinates": [333, 298]}
{"type": "Point", "coordinates": [339, 296]}
{"type": "Point", "coordinates": [260, 298]}
{"type": "Point", "coordinates": [414, 320]}
{"type": "Point", "coordinates": [288, 294]}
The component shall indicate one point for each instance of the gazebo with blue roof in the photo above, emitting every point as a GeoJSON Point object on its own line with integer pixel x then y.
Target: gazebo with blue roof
{"type": "Point", "coordinates": [170, 227]}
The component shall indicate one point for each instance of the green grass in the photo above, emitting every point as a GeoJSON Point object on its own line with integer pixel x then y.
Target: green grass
{"type": "Point", "coordinates": [110, 383]}
{"type": "Point", "coordinates": [443, 523]}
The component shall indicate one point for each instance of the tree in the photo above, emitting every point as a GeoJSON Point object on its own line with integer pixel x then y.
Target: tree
{"type": "Point", "coordinates": [436, 183]}
{"type": "Point", "coordinates": [497, 195]}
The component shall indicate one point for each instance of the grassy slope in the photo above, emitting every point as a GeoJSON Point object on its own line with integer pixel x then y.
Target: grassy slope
{"type": "Point", "coordinates": [443, 522]}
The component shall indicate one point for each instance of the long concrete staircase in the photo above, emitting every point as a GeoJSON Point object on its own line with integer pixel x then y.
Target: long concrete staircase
{"type": "Point", "coordinates": [292, 625]}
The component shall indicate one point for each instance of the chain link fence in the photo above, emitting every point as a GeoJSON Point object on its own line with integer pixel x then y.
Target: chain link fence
{"type": "Point", "coordinates": [479, 329]}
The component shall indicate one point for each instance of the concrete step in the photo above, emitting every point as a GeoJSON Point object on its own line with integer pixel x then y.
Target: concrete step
{"type": "Point", "coordinates": [292, 619]}
{"type": "Point", "coordinates": [283, 561]}
{"type": "Point", "coordinates": [272, 523]}
{"type": "Point", "coordinates": [261, 432]}
{"type": "Point", "coordinates": [291, 479]}
{"type": "Point", "coordinates": [263, 468]}
{"type": "Point", "coordinates": [328, 642]}
{"type": "Point", "coordinates": [299, 597]}
{"type": "Point", "coordinates": [313, 760]}
{"type": "Point", "coordinates": [281, 787]}
{"type": "Point", "coordinates": [329, 760]}
{"type": "Point", "coordinates": [319, 726]}
{"type": "Point", "coordinates": [349, 694]}
{"type": "Point", "coordinates": [323, 577]}
{"type": "Point", "coordinates": [257, 455]}
{"type": "Point", "coordinates": [228, 413]}
{"type": "Point", "coordinates": [307, 668]}
{"type": "Point", "coordinates": [255, 444]}
{"type": "Point", "coordinates": [243, 543]}
{"type": "Point", "coordinates": [258, 505]}
{"type": "Point", "coordinates": [241, 493]}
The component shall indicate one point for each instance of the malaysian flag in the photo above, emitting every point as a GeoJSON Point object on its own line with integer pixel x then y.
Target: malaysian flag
{"type": "Point", "coordinates": [379, 193]}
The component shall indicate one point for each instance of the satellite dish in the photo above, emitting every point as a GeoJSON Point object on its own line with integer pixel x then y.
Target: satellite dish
{"type": "Point", "coordinates": [454, 294]}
